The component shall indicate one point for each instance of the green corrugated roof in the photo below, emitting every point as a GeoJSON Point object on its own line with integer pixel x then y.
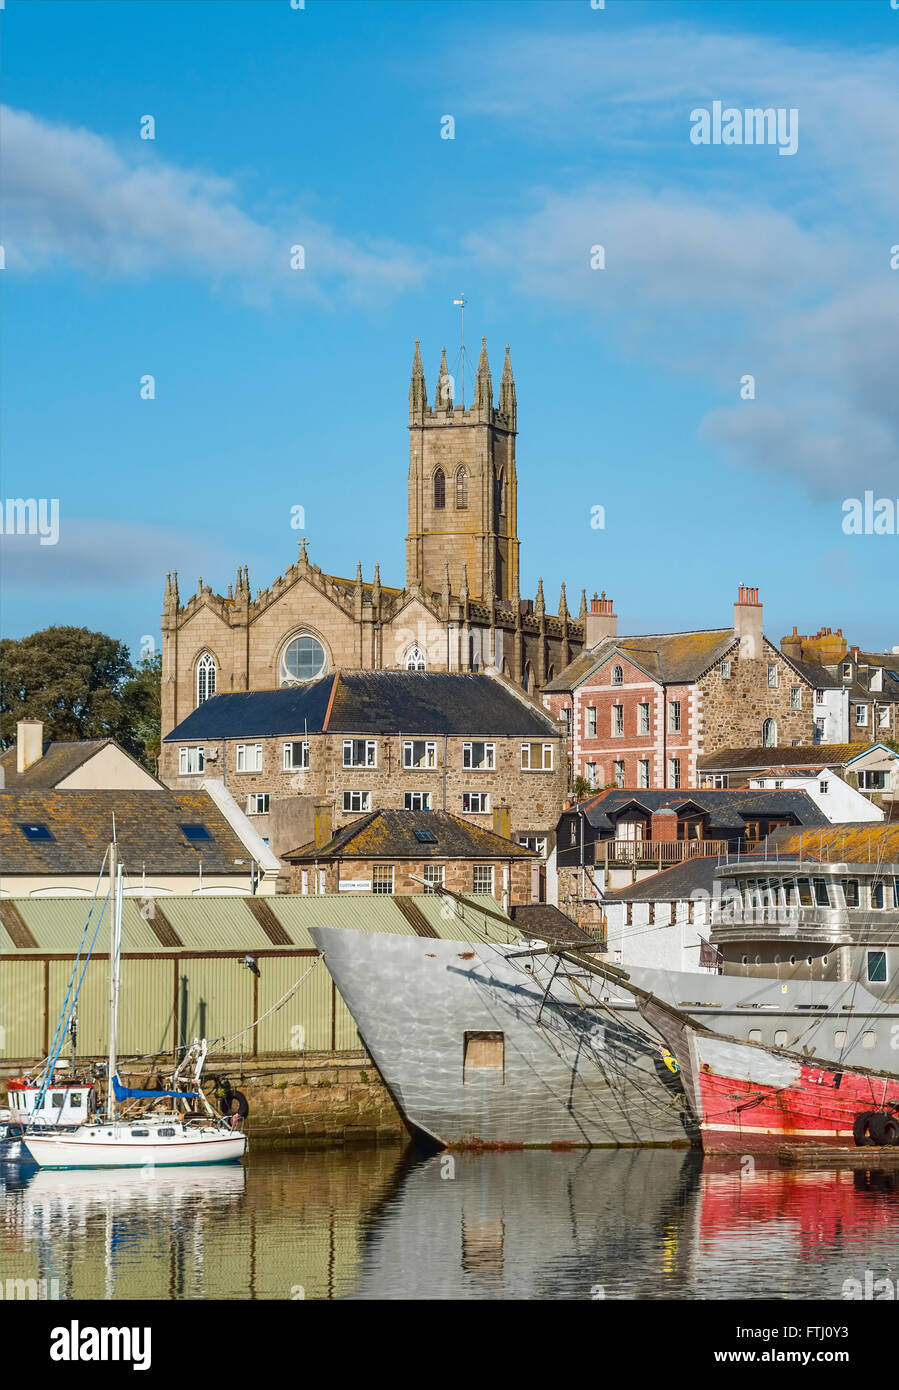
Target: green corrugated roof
{"type": "Point", "coordinates": [226, 923]}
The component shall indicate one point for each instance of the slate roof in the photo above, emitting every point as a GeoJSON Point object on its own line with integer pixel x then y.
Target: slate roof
{"type": "Point", "coordinates": [372, 702]}
{"type": "Point", "coordinates": [857, 842]}
{"type": "Point", "coordinates": [392, 835]}
{"type": "Point", "coordinates": [544, 922]}
{"type": "Point", "coordinates": [673, 657]}
{"type": "Point", "coordinates": [147, 830]}
{"type": "Point", "coordinates": [60, 759]}
{"type": "Point", "coordinates": [814, 755]}
{"type": "Point", "coordinates": [671, 885]}
{"type": "Point", "coordinates": [727, 808]}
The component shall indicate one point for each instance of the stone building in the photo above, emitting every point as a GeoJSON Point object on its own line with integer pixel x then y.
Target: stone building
{"type": "Point", "coordinates": [460, 608]}
{"type": "Point", "coordinates": [856, 695]}
{"type": "Point", "coordinates": [414, 852]}
{"type": "Point", "coordinates": [353, 742]}
{"type": "Point", "coordinates": [641, 710]}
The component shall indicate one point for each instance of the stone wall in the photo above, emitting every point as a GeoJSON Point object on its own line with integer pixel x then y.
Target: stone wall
{"type": "Point", "coordinates": [535, 798]}
{"type": "Point", "coordinates": [733, 712]}
{"type": "Point", "coordinates": [458, 876]}
{"type": "Point", "coordinates": [326, 1098]}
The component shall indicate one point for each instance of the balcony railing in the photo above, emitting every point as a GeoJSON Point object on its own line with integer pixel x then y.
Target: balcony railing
{"type": "Point", "coordinates": [658, 852]}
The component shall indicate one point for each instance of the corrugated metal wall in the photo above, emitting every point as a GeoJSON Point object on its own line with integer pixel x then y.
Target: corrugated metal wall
{"type": "Point", "coordinates": [22, 1008]}
{"type": "Point", "coordinates": [170, 996]}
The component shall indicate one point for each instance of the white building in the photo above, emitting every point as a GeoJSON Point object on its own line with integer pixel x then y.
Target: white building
{"type": "Point", "coordinates": [838, 801]}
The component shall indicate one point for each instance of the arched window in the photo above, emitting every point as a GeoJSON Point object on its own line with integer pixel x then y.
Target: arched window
{"type": "Point", "coordinates": [304, 658]}
{"type": "Point", "coordinates": [206, 673]}
{"type": "Point", "coordinates": [461, 488]}
{"type": "Point", "coordinates": [416, 660]}
{"type": "Point", "coordinates": [617, 675]}
{"type": "Point", "coordinates": [439, 490]}
{"type": "Point", "coordinates": [769, 733]}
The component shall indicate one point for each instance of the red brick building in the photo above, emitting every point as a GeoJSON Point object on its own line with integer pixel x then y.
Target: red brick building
{"type": "Point", "coordinates": [640, 710]}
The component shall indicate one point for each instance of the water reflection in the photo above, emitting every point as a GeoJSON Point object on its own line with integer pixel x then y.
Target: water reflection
{"type": "Point", "coordinates": [380, 1223]}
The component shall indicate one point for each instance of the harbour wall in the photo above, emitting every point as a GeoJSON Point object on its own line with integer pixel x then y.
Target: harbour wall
{"type": "Point", "coordinates": [324, 1099]}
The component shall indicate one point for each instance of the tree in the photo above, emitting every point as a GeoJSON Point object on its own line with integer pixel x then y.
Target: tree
{"type": "Point", "coordinates": [81, 684]}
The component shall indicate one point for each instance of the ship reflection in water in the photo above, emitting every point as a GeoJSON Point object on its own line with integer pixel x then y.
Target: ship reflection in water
{"type": "Point", "coordinates": [377, 1223]}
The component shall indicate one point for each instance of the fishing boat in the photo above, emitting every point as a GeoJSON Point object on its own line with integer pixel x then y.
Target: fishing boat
{"type": "Point", "coordinates": [11, 1133]}
{"type": "Point", "coordinates": [186, 1131]}
{"type": "Point", "coordinates": [748, 1097]}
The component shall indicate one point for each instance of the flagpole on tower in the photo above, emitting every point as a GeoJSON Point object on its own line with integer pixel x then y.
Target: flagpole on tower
{"type": "Point", "coordinates": [461, 303]}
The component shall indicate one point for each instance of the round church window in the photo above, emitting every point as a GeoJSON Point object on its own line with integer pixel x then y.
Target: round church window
{"type": "Point", "coordinates": [304, 658]}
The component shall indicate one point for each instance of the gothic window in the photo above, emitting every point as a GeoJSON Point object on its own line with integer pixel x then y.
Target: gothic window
{"type": "Point", "coordinates": [304, 658]}
{"type": "Point", "coordinates": [769, 733]}
{"type": "Point", "coordinates": [461, 488]}
{"type": "Point", "coordinates": [206, 673]}
{"type": "Point", "coordinates": [416, 660]}
{"type": "Point", "coordinates": [617, 675]}
{"type": "Point", "coordinates": [439, 490]}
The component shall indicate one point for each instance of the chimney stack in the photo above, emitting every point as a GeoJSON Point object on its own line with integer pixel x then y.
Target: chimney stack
{"type": "Point", "coordinates": [29, 743]}
{"type": "Point", "coordinates": [323, 823]}
{"type": "Point", "coordinates": [748, 622]}
{"type": "Point", "coordinates": [601, 620]}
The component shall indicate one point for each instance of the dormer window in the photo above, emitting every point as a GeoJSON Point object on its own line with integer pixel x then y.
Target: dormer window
{"type": "Point", "coordinates": [847, 671]}
{"type": "Point", "coordinates": [618, 675]}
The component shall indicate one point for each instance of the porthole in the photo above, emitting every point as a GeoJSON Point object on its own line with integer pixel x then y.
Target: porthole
{"type": "Point", "coordinates": [824, 960]}
{"type": "Point", "coordinates": [777, 959]}
{"type": "Point", "coordinates": [792, 960]}
{"type": "Point", "coordinates": [808, 960]}
{"type": "Point", "coordinates": [744, 960]}
{"type": "Point", "coordinates": [758, 960]}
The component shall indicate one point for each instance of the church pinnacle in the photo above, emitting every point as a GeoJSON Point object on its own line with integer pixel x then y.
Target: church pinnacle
{"type": "Point", "coordinates": [483, 390]}
{"type": "Point", "coordinates": [418, 391]}
{"type": "Point", "coordinates": [443, 391]}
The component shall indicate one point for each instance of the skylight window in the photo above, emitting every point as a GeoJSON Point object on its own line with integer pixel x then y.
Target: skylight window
{"type": "Point", "coordinates": [195, 832]}
{"type": "Point", "coordinates": [36, 832]}
{"type": "Point", "coordinates": [426, 837]}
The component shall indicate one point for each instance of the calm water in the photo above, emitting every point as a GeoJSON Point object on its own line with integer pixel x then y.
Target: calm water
{"type": "Point", "coordinates": [378, 1223]}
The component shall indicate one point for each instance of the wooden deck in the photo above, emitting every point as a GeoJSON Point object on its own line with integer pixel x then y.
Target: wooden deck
{"type": "Point", "coordinates": [837, 1156]}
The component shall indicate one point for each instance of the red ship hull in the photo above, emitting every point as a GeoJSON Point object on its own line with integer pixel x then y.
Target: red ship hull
{"type": "Point", "coordinates": [751, 1100]}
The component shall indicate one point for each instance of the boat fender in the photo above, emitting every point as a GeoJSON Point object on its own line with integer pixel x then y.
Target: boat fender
{"type": "Point", "coordinates": [243, 1106]}
{"type": "Point", "coordinates": [670, 1061]}
{"type": "Point", "coordinates": [891, 1130]}
{"type": "Point", "coordinates": [868, 1128]}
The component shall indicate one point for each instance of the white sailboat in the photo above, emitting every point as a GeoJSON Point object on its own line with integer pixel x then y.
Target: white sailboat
{"type": "Point", "coordinates": [157, 1137]}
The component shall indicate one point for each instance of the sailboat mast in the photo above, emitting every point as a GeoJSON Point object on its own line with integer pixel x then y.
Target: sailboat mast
{"type": "Point", "coordinates": [113, 978]}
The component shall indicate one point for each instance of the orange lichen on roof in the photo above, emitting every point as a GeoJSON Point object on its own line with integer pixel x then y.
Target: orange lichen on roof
{"type": "Point", "coordinates": [855, 843]}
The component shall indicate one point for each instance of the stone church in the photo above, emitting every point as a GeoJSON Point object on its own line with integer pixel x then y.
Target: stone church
{"type": "Point", "coordinates": [460, 610]}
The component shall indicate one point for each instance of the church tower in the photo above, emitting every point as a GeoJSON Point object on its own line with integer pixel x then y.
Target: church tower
{"type": "Point", "coordinates": [463, 488]}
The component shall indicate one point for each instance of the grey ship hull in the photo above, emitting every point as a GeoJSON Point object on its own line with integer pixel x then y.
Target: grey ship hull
{"type": "Point", "coordinates": [573, 1071]}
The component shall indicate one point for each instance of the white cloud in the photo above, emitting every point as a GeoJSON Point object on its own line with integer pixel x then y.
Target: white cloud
{"type": "Point", "coordinates": [74, 199]}
{"type": "Point", "coordinates": [723, 261]}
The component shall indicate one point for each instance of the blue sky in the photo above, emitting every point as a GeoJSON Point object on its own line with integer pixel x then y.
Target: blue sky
{"type": "Point", "coordinates": [278, 388]}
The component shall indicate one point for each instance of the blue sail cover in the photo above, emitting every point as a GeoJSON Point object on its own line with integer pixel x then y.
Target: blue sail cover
{"type": "Point", "coordinates": [126, 1093]}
